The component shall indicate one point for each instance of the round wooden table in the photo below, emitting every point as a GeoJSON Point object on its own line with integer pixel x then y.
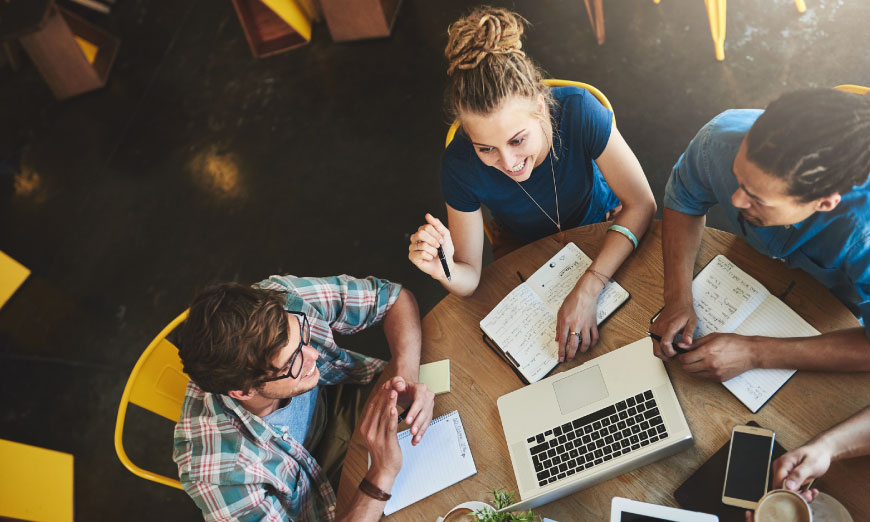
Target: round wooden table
{"type": "Point", "coordinates": [809, 403]}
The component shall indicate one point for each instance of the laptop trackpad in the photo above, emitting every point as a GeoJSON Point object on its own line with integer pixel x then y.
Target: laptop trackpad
{"type": "Point", "coordinates": [579, 390]}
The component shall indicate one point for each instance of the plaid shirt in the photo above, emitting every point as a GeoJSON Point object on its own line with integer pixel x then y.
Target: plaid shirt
{"type": "Point", "coordinates": [232, 463]}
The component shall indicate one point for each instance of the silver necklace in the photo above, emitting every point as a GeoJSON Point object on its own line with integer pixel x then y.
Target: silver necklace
{"type": "Point", "coordinates": [558, 220]}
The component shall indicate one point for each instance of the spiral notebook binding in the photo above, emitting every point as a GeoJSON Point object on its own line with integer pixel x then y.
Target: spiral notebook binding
{"type": "Point", "coordinates": [407, 433]}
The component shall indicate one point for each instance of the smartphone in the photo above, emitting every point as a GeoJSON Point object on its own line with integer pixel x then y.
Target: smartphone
{"type": "Point", "coordinates": [748, 466]}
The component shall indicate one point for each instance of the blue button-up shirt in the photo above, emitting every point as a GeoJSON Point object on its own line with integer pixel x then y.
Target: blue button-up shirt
{"type": "Point", "coordinates": [833, 247]}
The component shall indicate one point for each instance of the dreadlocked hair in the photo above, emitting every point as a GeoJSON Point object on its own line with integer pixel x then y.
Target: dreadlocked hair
{"type": "Point", "coordinates": [486, 63]}
{"type": "Point", "coordinates": [816, 140]}
{"type": "Point", "coordinates": [231, 336]}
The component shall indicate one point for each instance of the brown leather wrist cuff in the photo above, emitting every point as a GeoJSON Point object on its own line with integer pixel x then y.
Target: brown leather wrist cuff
{"type": "Point", "coordinates": [373, 491]}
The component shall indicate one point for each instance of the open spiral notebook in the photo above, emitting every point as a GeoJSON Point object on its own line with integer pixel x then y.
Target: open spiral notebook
{"type": "Point", "coordinates": [442, 459]}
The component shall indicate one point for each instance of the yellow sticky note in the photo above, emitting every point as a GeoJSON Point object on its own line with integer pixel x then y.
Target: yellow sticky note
{"type": "Point", "coordinates": [436, 376]}
{"type": "Point", "coordinates": [89, 49]}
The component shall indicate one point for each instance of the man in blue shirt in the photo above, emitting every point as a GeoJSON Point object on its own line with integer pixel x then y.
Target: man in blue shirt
{"type": "Point", "coordinates": [793, 182]}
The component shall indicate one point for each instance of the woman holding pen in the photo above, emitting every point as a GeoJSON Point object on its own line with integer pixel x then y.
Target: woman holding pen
{"type": "Point", "coordinates": [542, 160]}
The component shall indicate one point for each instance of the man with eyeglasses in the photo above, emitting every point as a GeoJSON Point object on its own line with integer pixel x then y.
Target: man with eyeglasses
{"type": "Point", "coordinates": [273, 400]}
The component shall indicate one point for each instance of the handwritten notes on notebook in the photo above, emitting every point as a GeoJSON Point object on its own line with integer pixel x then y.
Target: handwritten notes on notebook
{"type": "Point", "coordinates": [523, 324]}
{"type": "Point", "coordinates": [441, 459]}
{"type": "Point", "coordinates": [727, 299]}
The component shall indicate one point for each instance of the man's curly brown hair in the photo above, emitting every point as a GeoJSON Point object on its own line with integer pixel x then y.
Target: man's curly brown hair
{"type": "Point", "coordinates": [231, 336]}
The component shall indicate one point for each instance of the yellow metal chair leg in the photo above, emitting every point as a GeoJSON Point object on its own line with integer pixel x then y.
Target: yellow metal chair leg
{"type": "Point", "coordinates": [801, 5]}
{"type": "Point", "coordinates": [716, 13]}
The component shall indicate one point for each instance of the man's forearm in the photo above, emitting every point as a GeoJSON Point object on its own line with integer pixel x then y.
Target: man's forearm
{"type": "Point", "coordinates": [364, 508]}
{"type": "Point", "coordinates": [681, 238]}
{"type": "Point", "coordinates": [843, 350]}
{"type": "Point", "coordinates": [402, 330]}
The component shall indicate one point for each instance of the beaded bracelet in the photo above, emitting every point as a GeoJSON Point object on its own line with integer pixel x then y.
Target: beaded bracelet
{"type": "Point", "coordinates": [373, 491]}
{"type": "Point", "coordinates": [604, 279]}
{"type": "Point", "coordinates": [625, 232]}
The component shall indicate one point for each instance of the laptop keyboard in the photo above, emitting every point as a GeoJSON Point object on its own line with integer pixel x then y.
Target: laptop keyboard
{"type": "Point", "coordinates": [596, 438]}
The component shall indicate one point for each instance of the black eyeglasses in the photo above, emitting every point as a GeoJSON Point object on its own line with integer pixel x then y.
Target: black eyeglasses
{"type": "Point", "coordinates": [297, 359]}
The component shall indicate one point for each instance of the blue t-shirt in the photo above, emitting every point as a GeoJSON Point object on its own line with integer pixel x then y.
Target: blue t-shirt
{"type": "Point", "coordinates": [583, 127]}
{"type": "Point", "coordinates": [833, 247]}
{"type": "Point", "coordinates": [295, 418]}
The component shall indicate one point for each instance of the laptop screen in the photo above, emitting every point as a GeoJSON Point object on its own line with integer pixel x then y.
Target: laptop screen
{"type": "Point", "coordinates": [633, 517]}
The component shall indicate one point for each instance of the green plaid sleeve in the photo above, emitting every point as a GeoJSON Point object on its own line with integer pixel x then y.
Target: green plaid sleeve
{"type": "Point", "coordinates": [348, 304]}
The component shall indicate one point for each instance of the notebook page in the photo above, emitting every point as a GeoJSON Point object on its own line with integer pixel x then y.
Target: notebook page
{"type": "Point", "coordinates": [772, 318]}
{"type": "Point", "coordinates": [724, 296]}
{"type": "Point", "coordinates": [442, 459]}
{"type": "Point", "coordinates": [524, 326]}
{"type": "Point", "coordinates": [558, 276]}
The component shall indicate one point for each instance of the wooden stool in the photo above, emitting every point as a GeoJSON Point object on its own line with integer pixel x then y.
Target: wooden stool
{"type": "Point", "coordinates": [72, 55]}
{"type": "Point", "coordinates": [359, 19]}
{"type": "Point", "coordinates": [275, 26]}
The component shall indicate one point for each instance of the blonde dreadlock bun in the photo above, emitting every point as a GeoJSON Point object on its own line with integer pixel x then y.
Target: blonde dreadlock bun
{"type": "Point", "coordinates": [486, 63]}
{"type": "Point", "coordinates": [485, 31]}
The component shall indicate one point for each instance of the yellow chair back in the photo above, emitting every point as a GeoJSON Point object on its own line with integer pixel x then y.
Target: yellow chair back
{"type": "Point", "coordinates": [157, 384]}
{"type": "Point", "coordinates": [856, 89]}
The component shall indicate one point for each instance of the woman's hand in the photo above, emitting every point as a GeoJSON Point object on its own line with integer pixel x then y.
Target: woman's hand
{"type": "Point", "coordinates": [423, 250]}
{"type": "Point", "coordinates": [578, 314]}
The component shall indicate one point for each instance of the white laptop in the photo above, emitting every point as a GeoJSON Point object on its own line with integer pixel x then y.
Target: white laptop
{"type": "Point", "coordinates": [625, 510]}
{"type": "Point", "coordinates": [583, 426]}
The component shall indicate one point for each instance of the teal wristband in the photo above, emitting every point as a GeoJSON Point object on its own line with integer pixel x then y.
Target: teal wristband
{"type": "Point", "coordinates": [625, 232]}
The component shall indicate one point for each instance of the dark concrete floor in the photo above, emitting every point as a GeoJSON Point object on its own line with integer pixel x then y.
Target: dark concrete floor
{"type": "Point", "coordinates": [198, 163]}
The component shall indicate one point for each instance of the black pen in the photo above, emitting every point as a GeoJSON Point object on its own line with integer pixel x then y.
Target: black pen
{"type": "Point", "coordinates": [443, 259]}
{"type": "Point", "coordinates": [402, 416]}
{"type": "Point", "coordinates": [675, 347]}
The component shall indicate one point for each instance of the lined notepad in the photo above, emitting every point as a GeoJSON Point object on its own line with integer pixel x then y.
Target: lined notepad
{"type": "Point", "coordinates": [727, 299]}
{"type": "Point", "coordinates": [523, 324]}
{"type": "Point", "coordinates": [441, 459]}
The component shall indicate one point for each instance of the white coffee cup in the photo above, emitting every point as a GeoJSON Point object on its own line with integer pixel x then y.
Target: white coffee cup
{"type": "Point", "coordinates": [465, 512]}
{"type": "Point", "coordinates": [783, 505]}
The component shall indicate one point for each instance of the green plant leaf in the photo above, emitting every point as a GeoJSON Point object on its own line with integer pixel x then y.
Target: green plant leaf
{"type": "Point", "coordinates": [501, 499]}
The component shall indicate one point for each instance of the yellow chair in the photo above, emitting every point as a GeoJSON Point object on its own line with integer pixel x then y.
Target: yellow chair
{"type": "Point", "coordinates": [552, 82]}
{"type": "Point", "coordinates": [35, 483]}
{"type": "Point", "coordinates": [716, 14]}
{"type": "Point", "coordinates": [157, 383]}
{"type": "Point", "coordinates": [856, 89]}
{"type": "Point", "coordinates": [12, 275]}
